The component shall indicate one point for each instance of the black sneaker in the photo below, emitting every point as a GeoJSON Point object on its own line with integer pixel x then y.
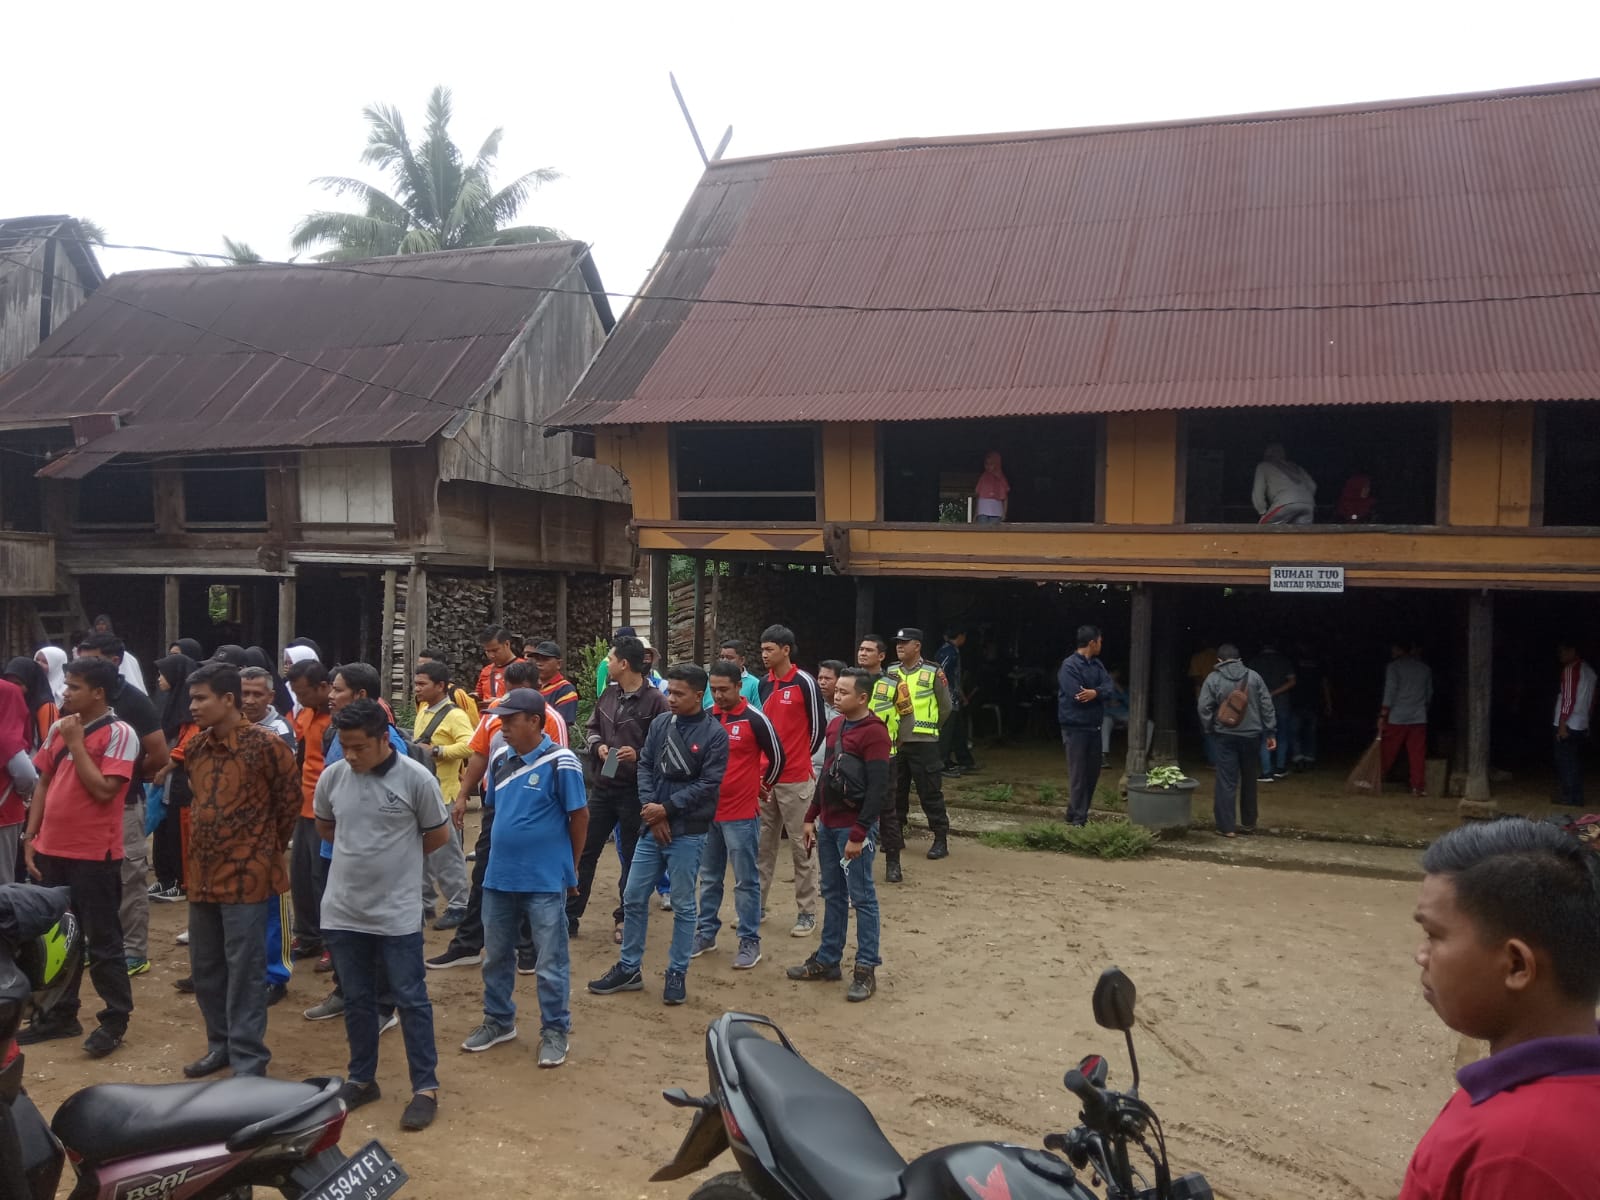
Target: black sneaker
{"type": "Point", "coordinates": [528, 962]}
{"type": "Point", "coordinates": [811, 969]}
{"type": "Point", "coordinates": [674, 992]}
{"type": "Point", "coordinates": [862, 984]}
{"type": "Point", "coordinates": [940, 847]}
{"type": "Point", "coordinates": [618, 979]}
{"type": "Point", "coordinates": [419, 1113]}
{"type": "Point", "coordinates": [276, 992]}
{"type": "Point", "coordinates": [356, 1094]}
{"type": "Point", "coordinates": [101, 1042]}
{"type": "Point", "coordinates": [185, 985]}
{"type": "Point", "coordinates": [455, 956]}
{"type": "Point", "coordinates": [891, 868]}
{"type": "Point", "coordinates": [41, 1029]}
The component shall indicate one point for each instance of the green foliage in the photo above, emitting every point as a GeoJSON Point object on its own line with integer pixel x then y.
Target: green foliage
{"type": "Point", "coordinates": [1048, 794]}
{"type": "Point", "coordinates": [439, 200]}
{"type": "Point", "coordinates": [405, 715]}
{"type": "Point", "coordinates": [1167, 776]}
{"type": "Point", "coordinates": [582, 670]}
{"type": "Point", "coordinates": [1107, 798]}
{"type": "Point", "coordinates": [997, 793]}
{"type": "Point", "coordinates": [1099, 839]}
{"type": "Point", "coordinates": [239, 254]}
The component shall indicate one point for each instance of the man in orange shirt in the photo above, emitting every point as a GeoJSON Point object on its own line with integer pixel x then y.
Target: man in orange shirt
{"type": "Point", "coordinates": [466, 946]}
{"type": "Point", "coordinates": [496, 643]}
{"type": "Point", "coordinates": [308, 680]}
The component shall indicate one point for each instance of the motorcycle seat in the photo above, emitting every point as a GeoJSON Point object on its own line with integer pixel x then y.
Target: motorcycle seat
{"type": "Point", "coordinates": [111, 1121]}
{"type": "Point", "coordinates": [821, 1134]}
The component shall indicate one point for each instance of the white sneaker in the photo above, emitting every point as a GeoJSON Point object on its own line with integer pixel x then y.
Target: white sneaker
{"type": "Point", "coordinates": [666, 901]}
{"type": "Point", "coordinates": [392, 1023]}
{"type": "Point", "coordinates": [183, 938]}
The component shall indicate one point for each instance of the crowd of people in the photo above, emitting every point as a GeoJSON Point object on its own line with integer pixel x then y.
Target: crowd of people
{"type": "Point", "coordinates": [280, 800]}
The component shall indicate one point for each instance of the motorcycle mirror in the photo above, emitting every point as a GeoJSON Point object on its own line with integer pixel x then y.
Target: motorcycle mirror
{"type": "Point", "coordinates": [1114, 997]}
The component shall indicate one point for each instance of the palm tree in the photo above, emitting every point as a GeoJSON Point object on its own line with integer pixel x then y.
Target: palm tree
{"type": "Point", "coordinates": [439, 200]}
{"type": "Point", "coordinates": [238, 254]}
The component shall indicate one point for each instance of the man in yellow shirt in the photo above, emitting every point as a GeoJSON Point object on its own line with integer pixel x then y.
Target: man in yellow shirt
{"type": "Point", "coordinates": [443, 726]}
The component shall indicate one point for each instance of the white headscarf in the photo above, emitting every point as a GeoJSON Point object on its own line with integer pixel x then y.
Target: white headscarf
{"type": "Point", "coordinates": [296, 654]}
{"type": "Point", "coordinates": [53, 659]}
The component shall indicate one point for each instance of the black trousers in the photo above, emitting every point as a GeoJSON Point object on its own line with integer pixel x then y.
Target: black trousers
{"type": "Point", "coordinates": [307, 877]}
{"type": "Point", "coordinates": [469, 934]}
{"type": "Point", "coordinates": [1083, 770]}
{"type": "Point", "coordinates": [611, 807]}
{"type": "Point", "coordinates": [1569, 765]}
{"type": "Point", "coordinates": [917, 763]}
{"type": "Point", "coordinates": [97, 900]}
{"type": "Point", "coordinates": [955, 739]}
{"type": "Point", "coordinates": [166, 850]}
{"type": "Point", "coordinates": [1238, 760]}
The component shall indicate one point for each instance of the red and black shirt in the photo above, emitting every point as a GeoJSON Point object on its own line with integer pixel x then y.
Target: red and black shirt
{"type": "Point", "coordinates": [868, 740]}
{"type": "Point", "coordinates": [751, 740]}
{"type": "Point", "coordinates": [560, 695]}
{"type": "Point", "coordinates": [793, 703]}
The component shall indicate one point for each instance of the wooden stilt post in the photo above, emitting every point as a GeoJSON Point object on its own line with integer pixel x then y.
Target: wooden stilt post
{"type": "Point", "coordinates": [169, 612]}
{"type": "Point", "coordinates": [698, 653]}
{"type": "Point", "coordinates": [286, 615]}
{"type": "Point", "coordinates": [866, 608]}
{"type": "Point", "coordinates": [561, 611]}
{"type": "Point", "coordinates": [1164, 667]}
{"type": "Point", "coordinates": [1138, 677]}
{"type": "Point", "coordinates": [386, 639]}
{"type": "Point", "coordinates": [1480, 671]}
{"type": "Point", "coordinates": [660, 567]}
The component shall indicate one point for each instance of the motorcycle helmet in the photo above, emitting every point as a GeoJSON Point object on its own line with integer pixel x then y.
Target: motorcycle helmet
{"type": "Point", "coordinates": [52, 959]}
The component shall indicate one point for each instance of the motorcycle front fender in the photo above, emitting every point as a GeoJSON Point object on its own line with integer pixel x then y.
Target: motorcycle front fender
{"type": "Point", "coordinates": [706, 1139]}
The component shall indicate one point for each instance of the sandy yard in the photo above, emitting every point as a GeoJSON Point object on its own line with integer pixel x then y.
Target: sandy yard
{"type": "Point", "coordinates": [1283, 1037]}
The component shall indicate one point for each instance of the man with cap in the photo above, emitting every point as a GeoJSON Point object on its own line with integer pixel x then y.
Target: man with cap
{"type": "Point", "coordinates": [922, 701]}
{"type": "Point", "coordinates": [556, 688]}
{"type": "Point", "coordinates": [541, 823]}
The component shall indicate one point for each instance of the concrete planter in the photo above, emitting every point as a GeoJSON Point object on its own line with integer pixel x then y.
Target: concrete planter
{"type": "Point", "coordinates": [1168, 810]}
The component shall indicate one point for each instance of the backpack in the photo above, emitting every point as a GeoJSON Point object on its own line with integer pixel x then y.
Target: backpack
{"type": "Point", "coordinates": [1235, 704]}
{"type": "Point", "coordinates": [421, 748]}
{"type": "Point", "coordinates": [415, 751]}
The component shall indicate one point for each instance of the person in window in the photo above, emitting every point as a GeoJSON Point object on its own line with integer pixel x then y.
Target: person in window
{"type": "Point", "coordinates": [1356, 502]}
{"type": "Point", "coordinates": [1284, 492]}
{"type": "Point", "coordinates": [992, 491]}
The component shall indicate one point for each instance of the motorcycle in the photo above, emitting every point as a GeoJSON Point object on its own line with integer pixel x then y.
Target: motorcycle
{"type": "Point", "coordinates": [178, 1141]}
{"type": "Point", "coordinates": [798, 1135]}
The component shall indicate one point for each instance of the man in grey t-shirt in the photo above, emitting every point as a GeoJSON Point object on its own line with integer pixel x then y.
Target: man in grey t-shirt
{"type": "Point", "coordinates": [384, 814]}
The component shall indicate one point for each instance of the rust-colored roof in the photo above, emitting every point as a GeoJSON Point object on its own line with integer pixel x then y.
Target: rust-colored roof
{"type": "Point", "coordinates": [205, 359]}
{"type": "Point", "coordinates": [1456, 198]}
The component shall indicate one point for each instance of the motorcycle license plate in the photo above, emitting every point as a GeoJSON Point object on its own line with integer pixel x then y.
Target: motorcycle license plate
{"type": "Point", "coordinates": [368, 1174]}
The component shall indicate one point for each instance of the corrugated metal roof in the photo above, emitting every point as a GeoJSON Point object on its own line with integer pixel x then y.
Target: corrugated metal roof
{"type": "Point", "coordinates": [1445, 198]}
{"type": "Point", "coordinates": [194, 360]}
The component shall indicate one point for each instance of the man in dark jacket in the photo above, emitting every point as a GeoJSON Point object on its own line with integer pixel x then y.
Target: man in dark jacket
{"type": "Point", "coordinates": [680, 776]}
{"type": "Point", "coordinates": [1238, 742]}
{"type": "Point", "coordinates": [1085, 685]}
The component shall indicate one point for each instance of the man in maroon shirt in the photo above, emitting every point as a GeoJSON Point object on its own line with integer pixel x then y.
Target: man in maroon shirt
{"type": "Point", "coordinates": [849, 796]}
{"type": "Point", "coordinates": [791, 700]}
{"type": "Point", "coordinates": [1510, 916]}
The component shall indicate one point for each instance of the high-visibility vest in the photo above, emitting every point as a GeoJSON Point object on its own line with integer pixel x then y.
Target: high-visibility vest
{"type": "Point", "coordinates": [924, 697]}
{"type": "Point", "coordinates": [882, 706]}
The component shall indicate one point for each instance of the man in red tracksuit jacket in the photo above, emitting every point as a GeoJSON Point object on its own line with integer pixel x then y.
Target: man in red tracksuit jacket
{"type": "Point", "coordinates": [791, 700]}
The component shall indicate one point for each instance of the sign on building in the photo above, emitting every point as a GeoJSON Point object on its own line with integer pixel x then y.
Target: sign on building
{"type": "Point", "coordinates": [1308, 579]}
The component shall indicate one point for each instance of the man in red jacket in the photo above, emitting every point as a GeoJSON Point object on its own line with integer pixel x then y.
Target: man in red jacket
{"type": "Point", "coordinates": [791, 700]}
{"type": "Point", "coordinates": [1510, 916]}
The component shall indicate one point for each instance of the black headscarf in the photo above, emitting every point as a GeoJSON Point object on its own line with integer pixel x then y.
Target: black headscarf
{"type": "Point", "coordinates": [175, 669]}
{"type": "Point", "coordinates": [190, 647]}
{"type": "Point", "coordinates": [255, 656]}
{"type": "Point", "coordinates": [233, 655]}
{"type": "Point", "coordinates": [31, 678]}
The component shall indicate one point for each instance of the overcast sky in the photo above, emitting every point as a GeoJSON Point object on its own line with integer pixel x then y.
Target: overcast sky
{"type": "Point", "coordinates": [175, 123]}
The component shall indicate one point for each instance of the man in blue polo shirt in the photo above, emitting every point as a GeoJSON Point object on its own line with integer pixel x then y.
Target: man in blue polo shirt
{"type": "Point", "coordinates": [541, 820]}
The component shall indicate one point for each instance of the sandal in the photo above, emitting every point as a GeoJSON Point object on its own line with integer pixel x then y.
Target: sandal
{"type": "Point", "coordinates": [616, 934]}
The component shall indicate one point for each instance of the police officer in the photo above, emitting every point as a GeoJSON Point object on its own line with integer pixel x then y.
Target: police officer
{"type": "Point", "coordinates": [922, 702]}
{"type": "Point", "coordinates": [870, 657]}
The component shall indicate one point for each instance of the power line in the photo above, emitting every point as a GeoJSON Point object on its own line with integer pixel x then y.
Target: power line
{"type": "Point", "coordinates": [946, 309]}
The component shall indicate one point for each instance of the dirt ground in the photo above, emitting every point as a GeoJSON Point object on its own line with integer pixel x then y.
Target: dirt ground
{"type": "Point", "coordinates": [1282, 1035]}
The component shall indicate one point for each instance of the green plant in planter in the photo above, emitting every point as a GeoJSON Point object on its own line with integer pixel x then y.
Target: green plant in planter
{"type": "Point", "coordinates": [1164, 777]}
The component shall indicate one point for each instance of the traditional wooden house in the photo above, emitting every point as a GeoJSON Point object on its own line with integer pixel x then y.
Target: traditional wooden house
{"type": "Point", "coordinates": [1405, 295]}
{"type": "Point", "coordinates": [351, 452]}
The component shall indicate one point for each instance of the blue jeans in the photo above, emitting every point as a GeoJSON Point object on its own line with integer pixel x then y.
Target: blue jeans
{"type": "Point", "coordinates": [681, 857]}
{"type": "Point", "coordinates": [663, 885]}
{"type": "Point", "coordinates": [546, 912]}
{"type": "Point", "coordinates": [735, 840]}
{"type": "Point", "coordinates": [841, 887]}
{"type": "Point", "coordinates": [365, 962]}
{"type": "Point", "coordinates": [1304, 748]}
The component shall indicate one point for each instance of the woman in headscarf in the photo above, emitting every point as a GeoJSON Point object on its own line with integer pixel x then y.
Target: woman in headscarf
{"type": "Point", "coordinates": [316, 650]}
{"type": "Point", "coordinates": [255, 656]}
{"type": "Point", "coordinates": [28, 675]}
{"type": "Point", "coordinates": [296, 651]}
{"type": "Point", "coordinates": [17, 775]}
{"type": "Point", "coordinates": [54, 660]}
{"type": "Point", "coordinates": [187, 646]}
{"type": "Point", "coordinates": [171, 836]}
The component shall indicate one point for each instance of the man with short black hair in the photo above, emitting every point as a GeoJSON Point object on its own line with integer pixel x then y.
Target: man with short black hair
{"type": "Point", "coordinates": [1574, 707]}
{"type": "Point", "coordinates": [1510, 955]}
{"type": "Point", "coordinates": [829, 671]}
{"type": "Point", "coordinates": [732, 651]}
{"type": "Point", "coordinates": [1085, 686]}
{"type": "Point", "coordinates": [246, 800]}
{"type": "Point", "coordinates": [1236, 709]}
{"type": "Point", "coordinates": [955, 735]}
{"type": "Point", "coordinates": [74, 840]}
{"type": "Point", "coordinates": [255, 700]}
{"type": "Point", "coordinates": [556, 689]}
{"type": "Point", "coordinates": [130, 704]}
{"type": "Point", "coordinates": [681, 768]}
{"type": "Point", "coordinates": [499, 653]}
{"type": "Point", "coordinates": [308, 680]}
{"type": "Point", "coordinates": [871, 655]}
{"type": "Point", "coordinates": [791, 700]}
{"type": "Point", "coordinates": [384, 814]}
{"type": "Point", "coordinates": [462, 698]}
{"type": "Point", "coordinates": [922, 703]}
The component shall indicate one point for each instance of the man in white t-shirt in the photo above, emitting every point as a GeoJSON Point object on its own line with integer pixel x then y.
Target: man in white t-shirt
{"type": "Point", "coordinates": [1574, 704]}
